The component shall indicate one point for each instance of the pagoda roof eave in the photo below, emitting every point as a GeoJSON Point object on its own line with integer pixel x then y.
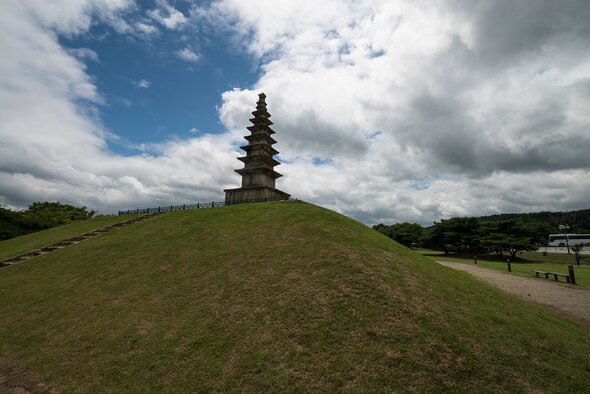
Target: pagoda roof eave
{"type": "Point", "coordinates": [254, 170]}
{"type": "Point", "coordinates": [265, 128]}
{"type": "Point", "coordinates": [261, 111]}
{"type": "Point", "coordinates": [270, 160]}
{"type": "Point", "coordinates": [247, 148]}
{"type": "Point", "coordinates": [256, 137]}
{"type": "Point", "coordinates": [261, 121]}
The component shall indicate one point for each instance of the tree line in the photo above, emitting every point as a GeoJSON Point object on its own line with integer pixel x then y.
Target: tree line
{"type": "Point", "coordinates": [472, 235]}
{"type": "Point", "coordinates": [579, 220]}
{"type": "Point", "coordinates": [39, 216]}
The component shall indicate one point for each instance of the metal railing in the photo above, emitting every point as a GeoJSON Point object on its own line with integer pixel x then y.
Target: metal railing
{"type": "Point", "coordinates": [212, 204]}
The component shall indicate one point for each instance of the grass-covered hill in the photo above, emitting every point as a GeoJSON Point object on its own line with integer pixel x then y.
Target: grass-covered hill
{"type": "Point", "coordinates": [272, 297]}
{"type": "Point", "coordinates": [25, 243]}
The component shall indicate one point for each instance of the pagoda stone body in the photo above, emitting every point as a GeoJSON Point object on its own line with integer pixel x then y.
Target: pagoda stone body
{"type": "Point", "coordinates": [258, 174]}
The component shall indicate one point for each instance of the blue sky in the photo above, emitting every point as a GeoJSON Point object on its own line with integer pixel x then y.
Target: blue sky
{"type": "Point", "coordinates": [151, 94]}
{"type": "Point", "coordinates": [384, 110]}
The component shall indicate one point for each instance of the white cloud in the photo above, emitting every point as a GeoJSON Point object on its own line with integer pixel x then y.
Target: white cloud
{"type": "Point", "coordinates": [168, 16]}
{"type": "Point", "coordinates": [444, 112]}
{"type": "Point", "coordinates": [69, 16]}
{"type": "Point", "coordinates": [385, 111]}
{"type": "Point", "coordinates": [188, 55]}
{"type": "Point", "coordinates": [193, 130]}
{"type": "Point", "coordinates": [146, 28]}
{"type": "Point", "coordinates": [84, 53]}
{"type": "Point", "coordinates": [53, 148]}
{"type": "Point", "coordinates": [142, 84]}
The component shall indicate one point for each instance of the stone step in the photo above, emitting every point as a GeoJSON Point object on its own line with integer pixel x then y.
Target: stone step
{"type": "Point", "coordinates": [78, 238]}
{"type": "Point", "coordinates": [65, 243]}
{"type": "Point", "coordinates": [71, 241]}
{"type": "Point", "coordinates": [50, 248]}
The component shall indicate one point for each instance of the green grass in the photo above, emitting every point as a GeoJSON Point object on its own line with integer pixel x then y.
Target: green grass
{"type": "Point", "coordinates": [274, 297]}
{"type": "Point", "coordinates": [560, 258]}
{"type": "Point", "coordinates": [25, 243]}
{"type": "Point", "coordinates": [524, 265]}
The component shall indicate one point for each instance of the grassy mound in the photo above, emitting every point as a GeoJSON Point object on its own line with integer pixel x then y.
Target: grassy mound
{"type": "Point", "coordinates": [276, 296]}
{"type": "Point", "coordinates": [25, 243]}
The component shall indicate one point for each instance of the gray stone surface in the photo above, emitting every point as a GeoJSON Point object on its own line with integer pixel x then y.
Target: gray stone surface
{"type": "Point", "coordinates": [258, 174]}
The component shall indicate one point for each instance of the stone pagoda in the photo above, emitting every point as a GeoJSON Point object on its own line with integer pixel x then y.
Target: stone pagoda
{"type": "Point", "coordinates": [258, 174]}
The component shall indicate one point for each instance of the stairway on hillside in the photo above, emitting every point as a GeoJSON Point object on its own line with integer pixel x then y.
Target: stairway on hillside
{"type": "Point", "coordinates": [71, 241]}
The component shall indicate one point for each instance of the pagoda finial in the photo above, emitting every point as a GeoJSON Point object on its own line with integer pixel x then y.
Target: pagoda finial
{"type": "Point", "coordinates": [261, 104]}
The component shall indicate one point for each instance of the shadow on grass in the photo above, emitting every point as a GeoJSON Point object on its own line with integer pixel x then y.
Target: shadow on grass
{"type": "Point", "coordinates": [482, 257]}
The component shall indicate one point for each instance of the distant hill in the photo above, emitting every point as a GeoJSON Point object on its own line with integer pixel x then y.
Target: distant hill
{"type": "Point", "coordinates": [578, 220]}
{"type": "Point", "coordinates": [282, 296]}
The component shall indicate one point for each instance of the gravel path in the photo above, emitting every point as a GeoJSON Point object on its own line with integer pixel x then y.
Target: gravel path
{"type": "Point", "coordinates": [567, 301]}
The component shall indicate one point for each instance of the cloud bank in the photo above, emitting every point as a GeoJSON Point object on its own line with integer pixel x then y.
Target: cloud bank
{"type": "Point", "coordinates": [53, 145]}
{"type": "Point", "coordinates": [384, 110]}
{"type": "Point", "coordinates": [483, 105]}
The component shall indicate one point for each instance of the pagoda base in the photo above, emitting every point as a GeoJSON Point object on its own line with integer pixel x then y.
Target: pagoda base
{"type": "Point", "coordinates": [248, 194]}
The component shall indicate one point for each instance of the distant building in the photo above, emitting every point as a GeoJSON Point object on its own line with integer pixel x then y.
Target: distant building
{"type": "Point", "coordinates": [258, 174]}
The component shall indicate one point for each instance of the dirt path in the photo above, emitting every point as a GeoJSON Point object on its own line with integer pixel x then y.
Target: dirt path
{"type": "Point", "coordinates": [570, 302]}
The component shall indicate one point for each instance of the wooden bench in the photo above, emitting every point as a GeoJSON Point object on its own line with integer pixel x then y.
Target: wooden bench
{"type": "Point", "coordinates": [555, 274]}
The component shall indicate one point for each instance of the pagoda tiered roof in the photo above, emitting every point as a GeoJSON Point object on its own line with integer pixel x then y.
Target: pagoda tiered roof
{"type": "Point", "coordinates": [260, 129]}
{"type": "Point", "coordinates": [255, 170]}
{"type": "Point", "coordinates": [258, 174]}
{"type": "Point", "coordinates": [261, 116]}
{"type": "Point", "coordinates": [259, 158]}
{"type": "Point", "coordinates": [259, 151]}
{"type": "Point", "coordinates": [262, 144]}
{"type": "Point", "coordinates": [260, 136]}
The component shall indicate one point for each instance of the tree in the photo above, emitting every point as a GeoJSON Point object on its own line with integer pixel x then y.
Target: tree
{"type": "Point", "coordinates": [383, 229]}
{"type": "Point", "coordinates": [509, 235]}
{"type": "Point", "coordinates": [11, 224]}
{"type": "Point", "coordinates": [565, 229]}
{"type": "Point", "coordinates": [462, 234]}
{"type": "Point", "coordinates": [577, 248]}
{"type": "Point", "coordinates": [539, 232]}
{"type": "Point", "coordinates": [39, 216]}
{"type": "Point", "coordinates": [407, 234]}
{"type": "Point", "coordinates": [435, 239]}
{"type": "Point", "coordinates": [56, 213]}
{"type": "Point", "coordinates": [493, 239]}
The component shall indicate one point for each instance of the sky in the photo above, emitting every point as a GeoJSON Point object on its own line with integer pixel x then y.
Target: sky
{"type": "Point", "coordinates": [386, 111]}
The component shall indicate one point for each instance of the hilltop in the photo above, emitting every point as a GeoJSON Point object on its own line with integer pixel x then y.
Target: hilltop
{"type": "Point", "coordinates": [282, 296]}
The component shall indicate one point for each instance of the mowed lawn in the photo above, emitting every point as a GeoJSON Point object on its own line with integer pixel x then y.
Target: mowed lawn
{"type": "Point", "coordinates": [275, 297]}
{"type": "Point", "coordinates": [25, 243]}
{"type": "Point", "coordinates": [525, 264]}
